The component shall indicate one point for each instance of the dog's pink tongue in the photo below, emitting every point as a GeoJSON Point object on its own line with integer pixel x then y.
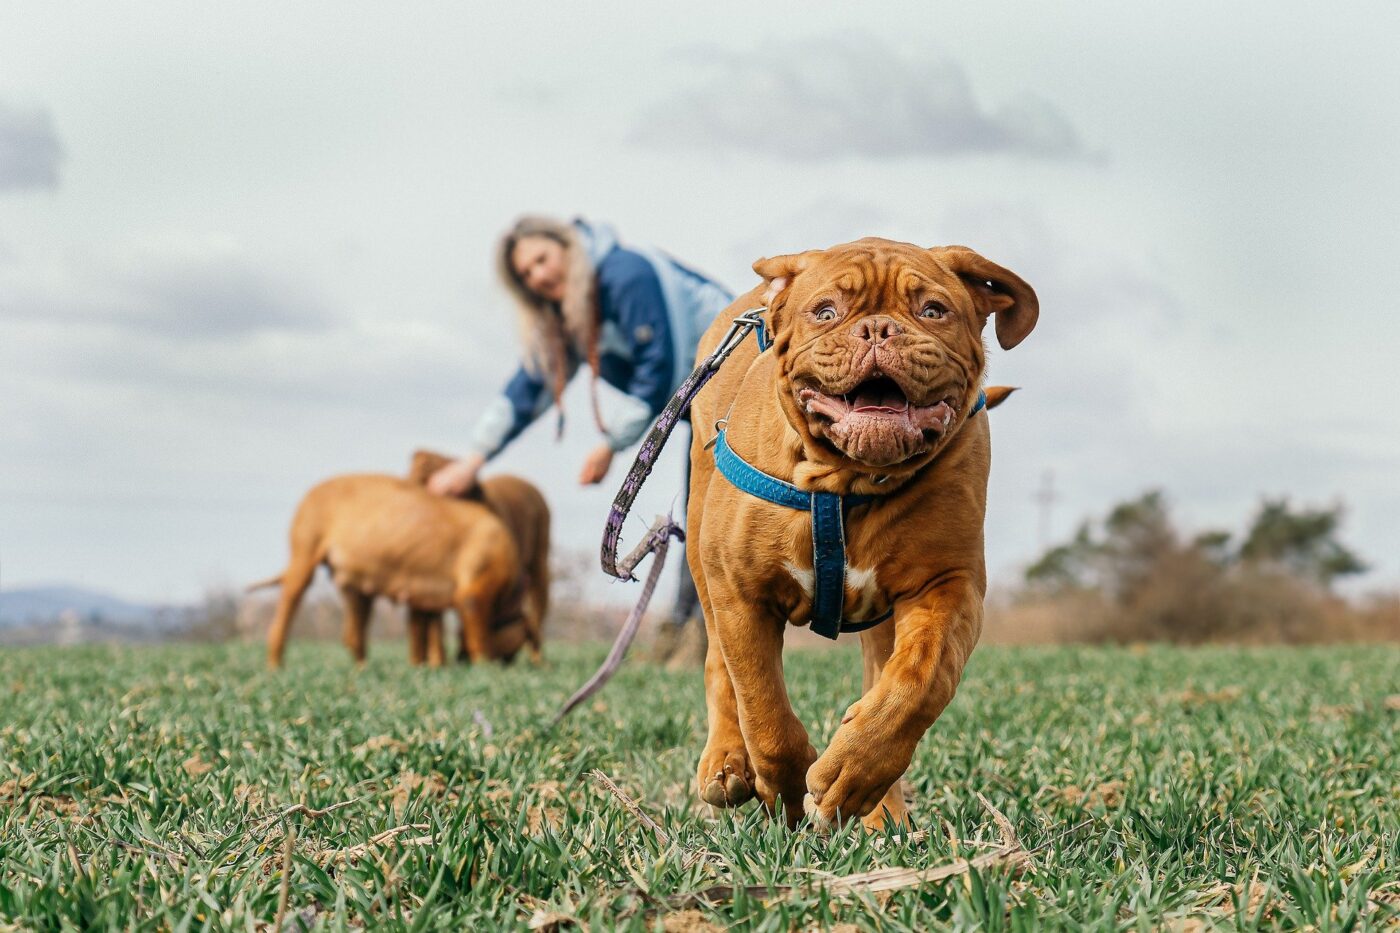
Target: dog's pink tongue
{"type": "Point", "coordinates": [880, 394]}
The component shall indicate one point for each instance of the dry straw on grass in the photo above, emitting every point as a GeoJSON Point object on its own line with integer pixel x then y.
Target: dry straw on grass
{"type": "Point", "coordinates": [1009, 855]}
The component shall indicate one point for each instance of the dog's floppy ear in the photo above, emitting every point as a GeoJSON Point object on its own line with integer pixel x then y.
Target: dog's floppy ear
{"type": "Point", "coordinates": [427, 462]}
{"type": "Point", "coordinates": [424, 464]}
{"type": "Point", "coordinates": [996, 290]}
{"type": "Point", "coordinates": [778, 273]}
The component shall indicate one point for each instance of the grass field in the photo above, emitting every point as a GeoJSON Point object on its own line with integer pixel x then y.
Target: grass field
{"type": "Point", "coordinates": [1237, 789]}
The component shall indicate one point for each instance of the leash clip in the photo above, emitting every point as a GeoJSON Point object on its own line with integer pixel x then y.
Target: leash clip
{"type": "Point", "coordinates": [738, 330]}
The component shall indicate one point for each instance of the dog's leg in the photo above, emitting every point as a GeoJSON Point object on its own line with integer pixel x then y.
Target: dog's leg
{"type": "Point", "coordinates": [875, 743]}
{"type": "Point", "coordinates": [876, 646]}
{"type": "Point", "coordinates": [534, 633]}
{"type": "Point", "coordinates": [295, 580]}
{"type": "Point", "coordinates": [475, 637]}
{"type": "Point", "coordinates": [418, 622]}
{"type": "Point", "coordinates": [485, 589]}
{"type": "Point", "coordinates": [532, 614]}
{"type": "Point", "coordinates": [538, 605]}
{"type": "Point", "coordinates": [777, 743]}
{"type": "Point", "coordinates": [437, 654]}
{"type": "Point", "coordinates": [725, 777]}
{"type": "Point", "coordinates": [356, 626]}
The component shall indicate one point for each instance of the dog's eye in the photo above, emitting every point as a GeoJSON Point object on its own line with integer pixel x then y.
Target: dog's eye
{"type": "Point", "coordinates": [933, 311]}
{"type": "Point", "coordinates": [825, 314]}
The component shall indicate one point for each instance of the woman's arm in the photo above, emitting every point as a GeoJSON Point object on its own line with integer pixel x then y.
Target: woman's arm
{"type": "Point", "coordinates": [525, 398]}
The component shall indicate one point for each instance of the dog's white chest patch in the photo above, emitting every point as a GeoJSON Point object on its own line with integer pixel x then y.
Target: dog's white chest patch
{"type": "Point", "coordinates": [805, 578]}
{"type": "Point", "coordinates": [866, 591]}
{"type": "Point", "coordinates": [862, 590]}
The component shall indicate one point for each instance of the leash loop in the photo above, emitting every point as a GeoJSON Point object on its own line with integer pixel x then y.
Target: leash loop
{"type": "Point", "coordinates": [664, 528]}
{"type": "Point", "coordinates": [652, 445]}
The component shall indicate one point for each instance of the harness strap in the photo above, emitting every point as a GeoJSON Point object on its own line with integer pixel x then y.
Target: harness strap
{"type": "Point", "coordinates": [755, 482]}
{"type": "Point", "coordinates": [828, 531]}
{"type": "Point", "coordinates": [828, 563]}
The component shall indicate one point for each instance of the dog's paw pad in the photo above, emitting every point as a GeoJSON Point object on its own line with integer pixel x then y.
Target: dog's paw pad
{"type": "Point", "coordinates": [814, 813]}
{"type": "Point", "coordinates": [737, 789]}
{"type": "Point", "coordinates": [723, 790]}
{"type": "Point", "coordinates": [714, 792]}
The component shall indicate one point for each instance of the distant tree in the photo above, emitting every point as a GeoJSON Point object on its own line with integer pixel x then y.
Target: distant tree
{"type": "Point", "coordinates": [1215, 547]}
{"type": "Point", "coordinates": [1302, 542]}
{"type": "Point", "coordinates": [1138, 536]}
{"type": "Point", "coordinates": [1067, 566]}
{"type": "Point", "coordinates": [1148, 580]}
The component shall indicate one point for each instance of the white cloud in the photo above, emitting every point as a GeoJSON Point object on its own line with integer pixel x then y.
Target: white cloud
{"type": "Point", "coordinates": [200, 291]}
{"type": "Point", "coordinates": [849, 95]}
{"type": "Point", "coordinates": [29, 149]}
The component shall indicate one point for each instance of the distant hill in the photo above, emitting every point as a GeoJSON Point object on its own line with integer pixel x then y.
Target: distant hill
{"type": "Point", "coordinates": [42, 603]}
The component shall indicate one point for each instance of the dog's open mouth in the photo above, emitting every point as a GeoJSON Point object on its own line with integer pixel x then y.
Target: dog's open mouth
{"type": "Point", "coordinates": [879, 398]}
{"type": "Point", "coordinates": [876, 422]}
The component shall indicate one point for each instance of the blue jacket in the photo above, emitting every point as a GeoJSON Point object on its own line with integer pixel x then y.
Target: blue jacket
{"type": "Point", "coordinates": [653, 312]}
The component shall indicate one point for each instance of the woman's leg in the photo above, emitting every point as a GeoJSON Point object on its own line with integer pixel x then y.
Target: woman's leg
{"type": "Point", "coordinates": [687, 600]}
{"type": "Point", "coordinates": [676, 644]}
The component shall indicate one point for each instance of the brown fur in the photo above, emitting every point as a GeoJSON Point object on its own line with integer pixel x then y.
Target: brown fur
{"type": "Point", "coordinates": [917, 549]}
{"type": "Point", "coordinates": [385, 536]}
{"type": "Point", "coordinates": [522, 507]}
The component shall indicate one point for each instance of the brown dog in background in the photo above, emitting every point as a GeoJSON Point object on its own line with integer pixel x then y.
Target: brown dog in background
{"type": "Point", "coordinates": [868, 388]}
{"type": "Point", "coordinates": [385, 536]}
{"type": "Point", "coordinates": [521, 506]}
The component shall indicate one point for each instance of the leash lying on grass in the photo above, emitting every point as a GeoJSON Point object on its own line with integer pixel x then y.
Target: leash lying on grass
{"type": "Point", "coordinates": [658, 537]}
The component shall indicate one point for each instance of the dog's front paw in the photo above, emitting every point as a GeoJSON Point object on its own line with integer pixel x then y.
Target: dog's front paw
{"type": "Point", "coordinates": [725, 777]}
{"type": "Point", "coordinates": [845, 785]}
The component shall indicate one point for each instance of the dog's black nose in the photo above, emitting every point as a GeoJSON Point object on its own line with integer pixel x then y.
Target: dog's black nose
{"type": "Point", "coordinates": [876, 328]}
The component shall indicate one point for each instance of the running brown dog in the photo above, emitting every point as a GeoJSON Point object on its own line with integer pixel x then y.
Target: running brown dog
{"type": "Point", "coordinates": [385, 536]}
{"type": "Point", "coordinates": [869, 389]}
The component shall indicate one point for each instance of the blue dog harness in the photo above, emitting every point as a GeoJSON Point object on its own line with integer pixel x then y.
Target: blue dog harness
{"type": "Point", "coordinates": [828, 525]}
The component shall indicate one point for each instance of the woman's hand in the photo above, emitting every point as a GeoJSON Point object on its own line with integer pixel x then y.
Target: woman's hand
{"type": "Point", "coordinates": [457, 477]}
{"type": "Point", "coordinates": [595, 465]}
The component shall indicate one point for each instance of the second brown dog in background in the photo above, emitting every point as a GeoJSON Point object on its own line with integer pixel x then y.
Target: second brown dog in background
{"type": "Point", "coordinates": [521, 507]}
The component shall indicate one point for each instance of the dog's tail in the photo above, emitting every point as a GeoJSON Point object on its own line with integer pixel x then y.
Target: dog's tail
{"type": "Point", "coordinates": [263, 584]}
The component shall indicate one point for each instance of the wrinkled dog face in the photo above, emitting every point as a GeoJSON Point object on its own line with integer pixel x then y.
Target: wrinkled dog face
{"type": "Point", "coordinates": [881, 342]}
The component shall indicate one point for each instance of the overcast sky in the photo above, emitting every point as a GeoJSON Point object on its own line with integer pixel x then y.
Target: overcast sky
{"type": "Point", "coordinates": [245, 247]}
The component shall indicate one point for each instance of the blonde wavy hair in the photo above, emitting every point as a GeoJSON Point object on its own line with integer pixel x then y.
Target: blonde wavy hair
{"type": "Point", "coordinates": [548, 329]}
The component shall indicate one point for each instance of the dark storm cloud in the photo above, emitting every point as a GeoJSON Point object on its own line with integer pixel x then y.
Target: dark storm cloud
{"type": "Point", "coordinates": [849, 96]}
{"type": "Point", "coordinates": [29, 149]}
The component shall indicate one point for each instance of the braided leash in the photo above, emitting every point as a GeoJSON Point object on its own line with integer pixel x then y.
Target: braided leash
{"type": "Point", "coordinates": [658, 537]}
